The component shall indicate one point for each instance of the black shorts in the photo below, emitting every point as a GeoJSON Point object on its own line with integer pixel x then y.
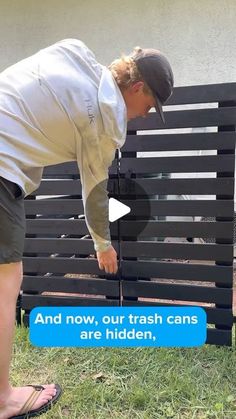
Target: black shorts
{"type": "Point", "coordinates": [12, 222]}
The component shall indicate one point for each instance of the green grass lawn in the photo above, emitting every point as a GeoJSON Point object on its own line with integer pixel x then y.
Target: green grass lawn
{"type": "Point", "coordinates": [132, 383]}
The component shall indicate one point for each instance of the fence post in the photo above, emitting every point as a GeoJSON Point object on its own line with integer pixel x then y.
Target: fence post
{"type": "Point", "coordinates": [128, 154]}
{"type": "Point", "coordinates": [19, 300]}
{"type": "Point", "coordinates": [222, 128]}
{"type": "Point", "coordinates": [115, 190]}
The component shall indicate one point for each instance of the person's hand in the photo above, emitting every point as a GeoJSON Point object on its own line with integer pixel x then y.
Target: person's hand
{"type": "Point", "coordinates": [107, 260]}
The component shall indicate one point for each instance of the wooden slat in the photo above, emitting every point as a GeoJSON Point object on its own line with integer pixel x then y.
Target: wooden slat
{"type": "Point", "coordinates": [179, 142]}
{"type": "Point", "coordinates": [222, 208]}
{"type": "Point", "coordinates": [56, 226]}
{"type": "Point", "coordinates": [178, 271]}
{"type": "Point", "coordinates": [177, 292]}
{"type": "Point", "coordinates": [60, 245]}
{"type": "Point", "coordinates": [60, 226]}
{"type": "Point", "coordinates": [219, 337]}
{"type": "Point", "coordinates": [177, 250]}
{"type": "Point", "coordinates": [213, 208]}
{"type": "Point", "coordinates": [201, 164]}
{"type": "Point", "coordinates": [203, 93]}
{"type": "Point", "coordinates": [62, 265]}
{"type": "Point", "coordinates": [31, 301]}
{"type": "Point", "coordinates": [134, 248]}
{"type": "Point", "coordinates": [67, 187]}
{"type": "Point", "coordinates": [54, 206]}
{"type": "Point", "coordinates": [32, 284]}
{"type": "Point", "coordinates": [130, 228]}
{"type": "Point", "coordinates": [197, 118]}
{"type": "Point", "coordinates": [219, 230]}
{"type": "Point", "coordinates": [153, 185]}
{"type": "Point", "coordinates": [193, 186]}
{"type": "Point", "coordinates": [190, 186]}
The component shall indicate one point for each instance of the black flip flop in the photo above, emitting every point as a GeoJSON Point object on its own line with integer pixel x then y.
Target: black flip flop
{"type": "Point", "coordinates": [44, 408]}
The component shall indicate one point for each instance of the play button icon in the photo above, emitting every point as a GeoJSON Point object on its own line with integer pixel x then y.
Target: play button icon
{"type": "Point", "coordinates": [133, 213]}
{"type": "Point", "coordinates": [117, 210]}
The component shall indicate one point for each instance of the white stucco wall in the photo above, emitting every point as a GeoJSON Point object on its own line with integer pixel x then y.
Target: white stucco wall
{"type": "Point", "coordinates": [198, 36]}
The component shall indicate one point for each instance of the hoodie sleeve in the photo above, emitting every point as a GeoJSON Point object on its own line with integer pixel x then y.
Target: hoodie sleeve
{"type": "Point", "coordinates": [94, 159]}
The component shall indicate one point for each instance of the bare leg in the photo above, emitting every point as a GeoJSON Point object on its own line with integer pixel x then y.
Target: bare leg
{"type": "Point", "coordinates": [12, 399]}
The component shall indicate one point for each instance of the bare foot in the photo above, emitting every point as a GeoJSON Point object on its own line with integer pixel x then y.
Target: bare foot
{"type": "Point", "coordinates": [19, 395]}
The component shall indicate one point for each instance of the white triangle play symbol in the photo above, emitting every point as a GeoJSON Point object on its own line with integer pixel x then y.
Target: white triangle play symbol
{"type": "Point", "coordinates": [117, 209]}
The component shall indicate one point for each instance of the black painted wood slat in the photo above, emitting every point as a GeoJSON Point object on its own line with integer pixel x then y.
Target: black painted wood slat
{"type": "Point", "coordinates": [200, 164]}
{"type": "Point", "coordinates": [61, 245]}
{"type": "Point", "coordinates": [71, 285]}
{"type": "Point", "coordinates": [219, 337]}
{"type": "Point", "coordinates": [214, 208]}
{"type": "Point", "coordinates": [56, 226]}
{"type": "Point", "coordinates": [176, 292]}
{"type": "Point", "coordinates": [62, 265]}
{"type": "Point", "coordinates": [194, 118]}
{"type": "Point", "coordinates": [178, 271]}
{"type": "Point", "coordinates": [60, 226]}
{"type": "Point", "coordinates": [54, 206]}
{"type": "Point", "coordinates": [131, 249]}
{"type": "Point", "coordinates": [190, 186]}
{"type": "Point", "coordinates": [218, 230]}
{"type": "Point", "coordinates": [179, 142]}
{"type": "Point", "coordinates": [203, 93]}
{"type": "Point", "coordinates": [130, 228]}
{"type": "Point", "coordinates": [177, 250]}
{"type": "Point", "coordinates": [66, 187]}
{"type": "Point", "coordinates": [31, 301]}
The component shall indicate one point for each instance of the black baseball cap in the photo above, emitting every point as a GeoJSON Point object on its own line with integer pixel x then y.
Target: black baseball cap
{"type": "Point", "coordinates": [156, 71]}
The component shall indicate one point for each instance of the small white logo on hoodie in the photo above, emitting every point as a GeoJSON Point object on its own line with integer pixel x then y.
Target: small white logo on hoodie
{"type": "Point", "coordinates": [90, 112]}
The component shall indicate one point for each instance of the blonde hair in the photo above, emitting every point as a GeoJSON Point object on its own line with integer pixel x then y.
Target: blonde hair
{"type": "Point", "coordinates": [125, 71]}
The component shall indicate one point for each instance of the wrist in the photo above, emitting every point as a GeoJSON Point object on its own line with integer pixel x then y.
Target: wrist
{"type": "Point", "coordinates": [102, 247]}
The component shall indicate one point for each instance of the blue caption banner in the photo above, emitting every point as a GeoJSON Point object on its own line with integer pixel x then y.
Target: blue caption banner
{"type": "Point", "coordinates": [118, 326]}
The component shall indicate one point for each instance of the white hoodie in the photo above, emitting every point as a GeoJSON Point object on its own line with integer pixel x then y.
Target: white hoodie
{"type": "Point", "coordinates": [61, 105]}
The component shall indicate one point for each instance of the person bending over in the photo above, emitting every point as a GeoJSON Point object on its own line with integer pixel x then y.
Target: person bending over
{"type": "Point", "coordinates": [56, 106]}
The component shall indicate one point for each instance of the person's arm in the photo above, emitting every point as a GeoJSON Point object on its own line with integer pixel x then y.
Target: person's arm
{"type": "Point", "coordinates": [93, 162]}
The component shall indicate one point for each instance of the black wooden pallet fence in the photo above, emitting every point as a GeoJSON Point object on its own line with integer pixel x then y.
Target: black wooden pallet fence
{"type": "Point", "coordinates": [157, 265]}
